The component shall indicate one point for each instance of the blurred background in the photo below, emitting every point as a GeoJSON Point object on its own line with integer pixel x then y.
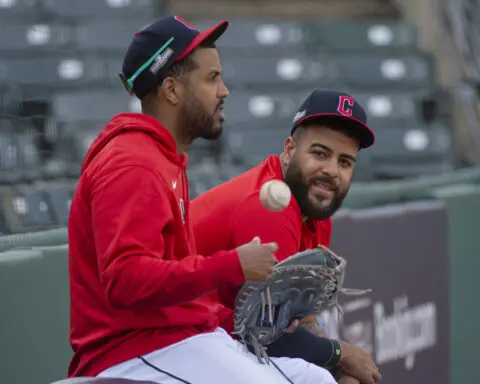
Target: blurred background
{"type": "Point", "coordinates": [413, 64]}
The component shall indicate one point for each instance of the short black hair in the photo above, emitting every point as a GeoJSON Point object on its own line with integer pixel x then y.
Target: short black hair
{"type": "Point", "coordinates": [188, 63]}
{"type": "Point", "coordinates": [343, 126]}
{"type": "Point", "coordinates": [182, 67]}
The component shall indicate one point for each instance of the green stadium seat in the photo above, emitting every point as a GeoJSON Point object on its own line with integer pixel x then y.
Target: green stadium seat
{"type": "Point", "coordinates": [77, 138]}
{"type": "Point", "coordinates": [205, 152]}
{"type": "Point", "coordinates": [242, 107]}
{"type": "Point", "coordinates": [34, 325]}
{"type": "Point", "coordinates": [86, 137]}
{"type": "Point", "coordinates": [381, 71]}
{"type": "Point", "coordinates": [96, 33]}
{"type": "Point", "coordinates": [9, 157]}
{"type": "Point", "coordinates": [251, 146]}
{"type": "Point", "coordinates": [113, 68]}
{"type": "Point", "coordinates": [360, 35]}
{"type": "Point", "coordinates": [100, 8]}
{"type": "Point", "coordinates": [201, 181]}
{"type": "Point", "coordinates": [419, 150]}
{"type": "Point", "coordinates": [387, 106]}
{"type": "Point", "coordinates": [70, 147]}
{"type": "Point", "coordinates": [71, 186]}
{"type": "Point", "coordinates": [265, 36]}
{"type": "Point", "coordinates": [11, 97]}
{"type": "Point", "coordinates": [293, 71]}
{"type": "Point", "coordinates": [92, 105]}
{"type": "Point", "coordinates": [59, 200]}
{"type": "Point", "coordinates": [29, 156]}
{"type": "Point", "coordinates": [65, 70]}
{"type": "Point", "coordinates": [363, 171]}
{"type": "Point", "coordinates": [32, 209]}
{"type": "Point", "coordinates": [19, 9]}
{"type": "Point", "coordinates": [22, 37]}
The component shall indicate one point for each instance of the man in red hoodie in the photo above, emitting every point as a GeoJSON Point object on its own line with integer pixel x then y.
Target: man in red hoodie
{"type": "Point", "coordinates": [317, 163]}
{"type": "Point", "coordinates": [141, 303]}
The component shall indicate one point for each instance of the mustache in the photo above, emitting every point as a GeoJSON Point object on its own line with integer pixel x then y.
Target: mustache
{"type": "Point", "coordinates": [220, 104]}
{"type": "Point", "coordinates": [326, 180]}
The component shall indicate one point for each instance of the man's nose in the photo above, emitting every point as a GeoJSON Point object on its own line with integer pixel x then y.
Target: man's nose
{"type": "Point", "coordinates": [223, 91]}
{"type": "Point", "coordinates": [330, 167]}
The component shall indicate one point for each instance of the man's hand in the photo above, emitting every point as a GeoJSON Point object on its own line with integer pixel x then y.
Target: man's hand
{"type": "Point", "coordinates": [346, 379]}
{"type": "Point", "coordinates": [257, 260]}
{"type": "Point", "coordinates": [310, 323]}
{"type": "Point", "coordinates": [359, 364]}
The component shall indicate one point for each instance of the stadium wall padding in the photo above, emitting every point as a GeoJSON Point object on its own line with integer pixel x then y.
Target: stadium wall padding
{"type": "Point", "coordinates": [400, 251]}
{"type": "Point", "coordinates": [463, 207]}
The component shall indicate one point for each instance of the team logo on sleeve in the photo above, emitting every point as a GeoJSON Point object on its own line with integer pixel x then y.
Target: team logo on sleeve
{"type": "Point", "coordinates": [345, 105]}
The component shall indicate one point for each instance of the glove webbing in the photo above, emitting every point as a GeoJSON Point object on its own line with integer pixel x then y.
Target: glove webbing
{"type": "Point", "coordinates": [266, 300]}
{"type": "Point", "coordinates": [340, 266]}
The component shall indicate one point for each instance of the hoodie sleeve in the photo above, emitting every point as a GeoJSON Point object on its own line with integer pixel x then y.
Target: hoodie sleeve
{"type": "Point", "coordinates": [134, 232]}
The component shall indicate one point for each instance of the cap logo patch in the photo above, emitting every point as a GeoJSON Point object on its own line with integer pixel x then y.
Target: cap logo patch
{"type": "Point", "coordinates": [345, 105]}
{"type": "Point", "coordinates": [299, 115]}
{"type": "Point", "coordinates": [188, 25]}
{"type": "Point", "coordinates": [160, 60]}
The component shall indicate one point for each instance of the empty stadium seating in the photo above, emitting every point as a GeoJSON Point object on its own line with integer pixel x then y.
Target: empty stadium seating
{"type": "Point", "coordinates": [361, 36]}
{"type": "Point", "coordinates": [69, 57]}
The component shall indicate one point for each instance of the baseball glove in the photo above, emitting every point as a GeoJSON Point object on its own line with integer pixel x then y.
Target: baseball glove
{"type": "Point", "coordinates": [304, 284]}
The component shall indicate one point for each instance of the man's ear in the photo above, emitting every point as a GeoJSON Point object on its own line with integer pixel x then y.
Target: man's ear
{"type": "Point", "coordinates": [170, 90]}
{"type": "Point", "coordinates": [288, 150]}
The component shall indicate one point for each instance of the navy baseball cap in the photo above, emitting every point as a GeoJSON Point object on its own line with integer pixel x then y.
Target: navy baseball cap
{"type": "Point", "coordinates": [324, 105]}
{"type": "Point", "coordinates": [156, 47]}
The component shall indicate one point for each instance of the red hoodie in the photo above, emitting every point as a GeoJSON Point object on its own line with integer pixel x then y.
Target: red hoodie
{"type": "Point", "coordinates": [136, 283]}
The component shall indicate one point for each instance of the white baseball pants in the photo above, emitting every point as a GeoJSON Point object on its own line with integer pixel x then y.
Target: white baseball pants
{"type": "Point", "coordinates": [216, 358]}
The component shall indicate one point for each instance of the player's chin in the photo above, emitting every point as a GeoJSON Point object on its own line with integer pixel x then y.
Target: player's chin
{"type": "Point", "coordinates": [320, 202]}
{"type": "Point", "coordinates": [213, 133]}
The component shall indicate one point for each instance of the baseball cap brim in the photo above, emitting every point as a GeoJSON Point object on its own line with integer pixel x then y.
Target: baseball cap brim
{"type": "Point", "coordinates": [211, 34]}
{"type": "Point", "coordinates": [365, 136]}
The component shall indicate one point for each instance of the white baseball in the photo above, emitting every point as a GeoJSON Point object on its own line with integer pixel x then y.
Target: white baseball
{"type": "Point", "coordinates": [275, 195]}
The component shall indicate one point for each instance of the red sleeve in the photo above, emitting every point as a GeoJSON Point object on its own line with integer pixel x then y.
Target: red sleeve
{"type": "Point", "coordinates": [132, 218]}
{"type": "Point", "coordinates": [252, 219]}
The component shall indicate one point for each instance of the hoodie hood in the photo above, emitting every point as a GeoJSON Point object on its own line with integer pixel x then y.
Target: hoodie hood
{"type": "Point", "coordinates": [128, 122]}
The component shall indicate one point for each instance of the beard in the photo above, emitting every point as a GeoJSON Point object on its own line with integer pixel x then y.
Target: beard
{"type": "Point", "coordinates": [300, 187]}
{"type": "Point", "coordinates": [198, 121]}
